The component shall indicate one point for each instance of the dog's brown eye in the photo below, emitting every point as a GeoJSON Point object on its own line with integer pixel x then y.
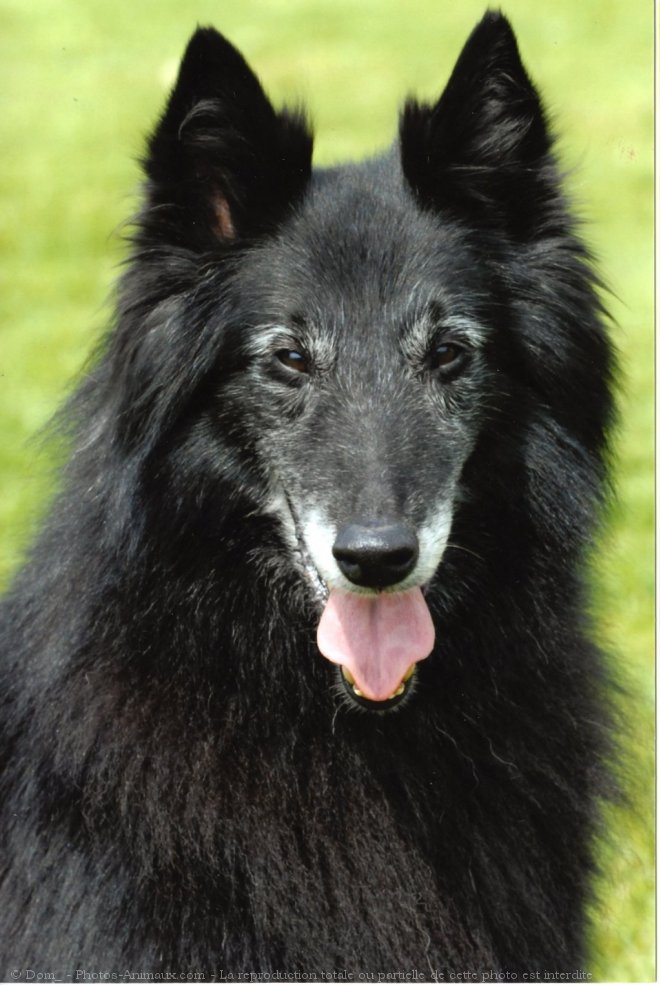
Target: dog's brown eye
{"type": "Point", "coordinates": [447, 357]}
{"type": "Point", "coordinates": [293, 359]}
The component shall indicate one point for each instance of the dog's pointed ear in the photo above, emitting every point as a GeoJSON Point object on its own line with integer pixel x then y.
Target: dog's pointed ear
{"type": "Point", "coordinates": [483, 151]}
{"type": "Point", "coordinates": [222, 164]}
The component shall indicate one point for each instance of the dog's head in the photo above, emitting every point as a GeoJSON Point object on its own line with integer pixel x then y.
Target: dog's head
{"type": "Point", "coordinates": [350, 335]}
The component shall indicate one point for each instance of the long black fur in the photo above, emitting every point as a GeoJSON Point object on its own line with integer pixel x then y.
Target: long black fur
{"type": "Point", "coordinates": [184, 788]}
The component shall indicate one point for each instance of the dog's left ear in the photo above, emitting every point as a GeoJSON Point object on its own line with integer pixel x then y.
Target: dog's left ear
{"type": "Point", "coordinates": [222, 164]}
{"type": "Point", "coordinates": [482, 151]}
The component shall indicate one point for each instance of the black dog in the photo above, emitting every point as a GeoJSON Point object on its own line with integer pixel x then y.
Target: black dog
{"type": "Point", "coordinates": [356, 414]}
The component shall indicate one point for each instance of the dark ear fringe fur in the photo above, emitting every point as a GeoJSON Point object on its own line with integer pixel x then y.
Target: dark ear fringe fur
{"type": "Point", "coordinates": [220, 141]}
{"type": "Point", "coordinates": [484, 149]}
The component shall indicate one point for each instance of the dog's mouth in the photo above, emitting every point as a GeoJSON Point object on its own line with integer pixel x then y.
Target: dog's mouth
{"type": "Point", "coordinates": [377, 640]}
{"type": "Point", "coordinates": [375, 637]}
{"type": "Point", "coordinates": [393, 701]}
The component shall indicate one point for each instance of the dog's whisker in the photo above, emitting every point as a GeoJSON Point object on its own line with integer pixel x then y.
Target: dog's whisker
{"type": "Point", "coordinates": [467, 550]}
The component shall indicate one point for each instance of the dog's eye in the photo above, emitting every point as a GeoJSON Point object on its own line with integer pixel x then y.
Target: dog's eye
{"type": "Point", "coordinates": [293, 359]}
{"type": "Point", "coordinates": [447, 358]}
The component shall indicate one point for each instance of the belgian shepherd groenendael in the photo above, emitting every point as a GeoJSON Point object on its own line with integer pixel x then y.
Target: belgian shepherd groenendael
{"type": "Point", "coordinates": [354, 414]}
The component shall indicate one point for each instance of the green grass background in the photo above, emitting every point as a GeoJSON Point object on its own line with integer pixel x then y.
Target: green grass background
{"type": "Point", "coordinates": [81, 81]}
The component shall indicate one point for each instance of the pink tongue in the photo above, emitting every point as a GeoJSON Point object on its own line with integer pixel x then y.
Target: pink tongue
{"type": "Point", "coordinates": [376, 637]}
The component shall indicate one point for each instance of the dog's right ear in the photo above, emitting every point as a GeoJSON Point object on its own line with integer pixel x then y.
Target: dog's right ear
{"type": "Point", "coordinates": [222, 164]}
{"type": "Point", "coordinates": [484, 150]}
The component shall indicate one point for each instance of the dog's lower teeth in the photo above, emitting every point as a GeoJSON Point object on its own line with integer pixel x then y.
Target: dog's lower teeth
{"type": "Point", "coordinates": [348, 677]}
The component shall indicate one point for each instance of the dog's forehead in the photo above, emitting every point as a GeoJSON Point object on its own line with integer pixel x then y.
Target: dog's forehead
{"type": "Point", "coordinates": [360, 227]}
{"type": "Point", "coordinates": [359, 242]}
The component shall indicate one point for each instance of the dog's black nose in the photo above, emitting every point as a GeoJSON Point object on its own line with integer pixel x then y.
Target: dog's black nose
{"type": "Point", "coordinates": [376, 554]}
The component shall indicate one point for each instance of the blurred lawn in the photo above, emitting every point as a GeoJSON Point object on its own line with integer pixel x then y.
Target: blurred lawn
{"type": "Point", "coordinates": [81, 83]}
